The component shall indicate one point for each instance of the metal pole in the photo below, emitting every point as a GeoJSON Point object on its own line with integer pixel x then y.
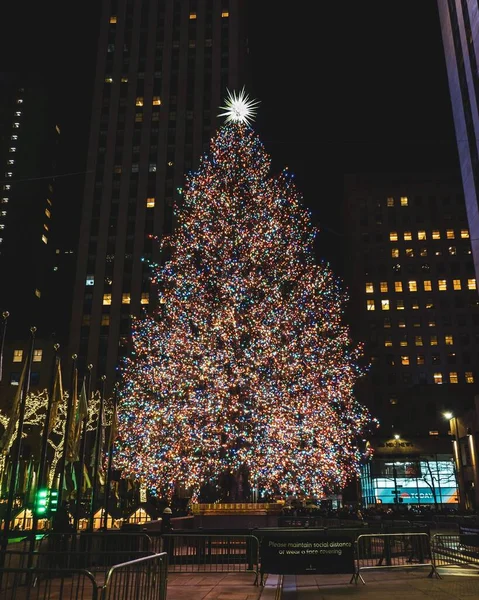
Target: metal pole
{"type": "Point", "coordinates": [110, 458]}
{"type": "Point", "coordinates": [5, 316]}
{"type": "Point", "coordinates": [66, 436]}
{"type": "Point", "coordinates": [17, 447]}
{"type": "Point", "coordinates": [98, 437]}
{"type": "Point", "coordinates": [81, 457]}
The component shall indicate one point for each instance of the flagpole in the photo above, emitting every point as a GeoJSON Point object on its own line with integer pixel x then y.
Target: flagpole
{"type": "Point", "coordinates": [111, 443]}
{"type": "Point", "coordinates": [46, 433]}
{"type": "Point", "coordinates": [5, 316]}
{"type": "Point", "coordinates": [97, 452]}
{"type": "Point", "coordinates": [67, 431]}
{"type": "Point", "coordinates": [17, 447]}
{"type": "Point", "coordinates": [81, 457]}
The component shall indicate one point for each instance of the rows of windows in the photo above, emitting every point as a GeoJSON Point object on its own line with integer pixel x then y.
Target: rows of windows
{"type": "Point", "coordinates": [424, 252]}
{"type": "Point", "coordinates": [125, 298]}
{"type": "Point", "coordinates": [413, 304]}
{"type": "Point", "coordinates": [421, 235]}
{"type": "Point", "coordinates": [405, 201]}
{"type": "Point", "coordinates": [385, 287]}
{"type": "Point", "coordinates": [18, 355]}
{"type": "Point", "coordinates": [420, 340]}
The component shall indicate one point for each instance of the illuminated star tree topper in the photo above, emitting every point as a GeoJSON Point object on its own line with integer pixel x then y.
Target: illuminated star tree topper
{"type": "Point", "coordinates": [239, 108]}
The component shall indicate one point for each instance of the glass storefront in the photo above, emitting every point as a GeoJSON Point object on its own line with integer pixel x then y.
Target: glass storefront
{"type": "Point", "coordinates": [422, 481]}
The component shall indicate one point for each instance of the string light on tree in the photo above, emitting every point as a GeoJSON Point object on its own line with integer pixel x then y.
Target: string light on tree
{"type": "Point", "coordinates": [246, 363]}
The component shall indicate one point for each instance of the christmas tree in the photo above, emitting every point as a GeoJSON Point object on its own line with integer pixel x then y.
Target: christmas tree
{"type": "Point", "coordinates": [246, 364]}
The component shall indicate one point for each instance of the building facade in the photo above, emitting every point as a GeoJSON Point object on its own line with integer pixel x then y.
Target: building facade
{"type": "Point", "coordinates": [414, 300]}
{"type": "Point", "coordinates": [460, 34]}
{"type": "Point", "coordinates": [29, 142]}
{"type": "Point", "coordinates": [163, 68]}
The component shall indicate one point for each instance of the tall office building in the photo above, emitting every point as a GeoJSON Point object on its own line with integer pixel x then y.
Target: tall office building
{"type": "Point", "coordinates": [29, 138]}
{"type": "Point", "coordinates": [460, 34]}
{"type": "Point", "coordinates": [162, 71]}
{"type": "Point", "coordinates": [414, 297]}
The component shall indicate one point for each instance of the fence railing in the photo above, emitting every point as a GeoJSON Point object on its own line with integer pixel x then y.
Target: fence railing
{"type": "Point", "coordinates": [213, 553]}
{"type": "Point", "coordinates": [453, 550]}
{"type": "Point", "coordinates": [144, 578]}
{"type": "Point", "coordinates": [45, 584]}
{"type": "Point", "coordinates": [393, 550]}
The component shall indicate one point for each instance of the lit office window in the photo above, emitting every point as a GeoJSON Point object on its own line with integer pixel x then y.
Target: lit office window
{"type": "Point", "coordinates": [38, 293]}
{"type": "Point", "coordinates": [404, 201]}
{"type": "Point", "coordinates": [448, 340]}
{"type": "Point", "coordinates": [427, 285]}
{"type": "Point", "coordinates": [383, 286]}
{"type": "Point", "coordinates": [420, 360]}
{"type": "Point", "coordinates": [405, 360]}
{"type": "Point", "coordinates": [465, 234]}
{"type": "Point", "coordinates": [410, 252]}
{"type": "Point", "coordinates": [145, 298]}
{"type": "Point", "coordinates": [393, 236]}
{"type": "Point", "coordinates": [370, 305]}
{"type": "Point", "coordinates": [429, 304]}
{"type": "Point", "coordinates": [139, 101]}
{"type": "Point", "coordinates": [192, 16]}
{"type": "Point", "coordinates": [400, 304]}
{"type": "Point", "coordinates": [433, 340]}
{"type": "Point", "coordinates": [436, 234]}
{"type": "Point", "coordinates": [471, 284]}
{"type": "Point", "coordinates": [106, 299]}
{"type": "Point", "coordinates": [453, 378]}
{"type": "Point", "coordinates": [44, 239]}
{"type": "Point", "coordinates": [442, 285]}
{"type": "Point", "coordinates": [225, 14]}
{"type": "Point", "coordinates": [37, 355]}
{"type": "Point", "coordinates": [431, 323]}
{"type": "Point", "coordinates": [156, 101]}
{"type": "Point", "coordinates": [17, 355]}
{"type": "Point", "coordinates": [48, 213]}
{"type": "Point", "coordinates": [403, 342]}
{"type": "Point", "coordinates": [16, 125]}
{"type": "Point", "coordinates": [456, 284]}
{"type": "Point", "coordinates": [384, 304]}
{"type": "Point", "coordinates": [105, 320]}
{"type": "Point", "coordinates": [125, 298]}
{"type": "Point", "coordinates": [11, 161]}
{"type": "Point", "coordinates": [124, 80]}
{"type": "Point", "coordinates": [469, 377]}
{"type": "Point", "coordinates": [412, 286]}
{"type": "Point", "coordinates": [418, 340]}
{"type": "Point", "coordinates": [152, 168]}
{"type": "Point", "coordinates": [394, 252]}
{"type": "Point", "coordinates": [393, 400]}
{"type": "Point", "coordinates": [421, 235]}
{"type": "Point", "coordinates": [150, 203]}
{"type": "Point", "coordinates": [387, 322]}
{"type": "Point", "coordinates": [407, 236]}
{"type": "Point", "coordinates": [452, 250]}
{"type": "Point", "coordinates": [388, 342]}
{"type": "Point", "coordinates": [415, 304]}
{"type": "Point", "coordinates": [438, 378]}
{"type": "Point", "coordinates": [450, 234]}
{"type": "Point", "coordinates": [108, 79]}
{"type": "Point", "coordinates": [390, 202]}
{"type": "Point", "coordinates": [369, 288]}
{"type": "Point", "coordinates": [398, 286]}
{"type": "Point", "coordinates": [113, 19]}
{"type": "Point", "coordinates": [401, 324]}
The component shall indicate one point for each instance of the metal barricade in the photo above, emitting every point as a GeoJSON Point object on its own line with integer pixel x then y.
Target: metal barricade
{"type": "Point", "coordinates": [392, 550]}
{"type": "Point", "coordinates": [213, 553]}
{"type": "Point", "coordinates": [44, 584]}
{"type": "Point", "coordinates": [144, 578]}
{"type": "Point", "coordinates": [449, 550]}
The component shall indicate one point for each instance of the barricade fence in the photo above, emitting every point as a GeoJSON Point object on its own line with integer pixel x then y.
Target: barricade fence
{"type": "Point", "coordinates": [453, 550]}
{"type": "Point", "coordinates": [392, 550]}
{"type": "Point", "coordinates": [144, 578]}
{"type": "Point", "coordinates": [213, 553]}
{"type": "Point", "coordinates": [45, 584]}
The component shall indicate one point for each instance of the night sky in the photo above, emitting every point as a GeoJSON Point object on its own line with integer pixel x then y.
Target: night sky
{"type": "Point", "coordinates": [360, 86]}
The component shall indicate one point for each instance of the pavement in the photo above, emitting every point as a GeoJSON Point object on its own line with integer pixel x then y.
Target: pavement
{"type": "Point", "coordinates": [392, 584]}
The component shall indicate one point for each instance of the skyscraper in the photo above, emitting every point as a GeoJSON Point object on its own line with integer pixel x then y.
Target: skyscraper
{"type": "Point", "coordinates": [162, 71]}
{"type": "Point", "coordinates": [460, 34]}
{"type": "Point", "coordinates": [414, 297]}
{"type": "Point", "coordinates": [29, 138]}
